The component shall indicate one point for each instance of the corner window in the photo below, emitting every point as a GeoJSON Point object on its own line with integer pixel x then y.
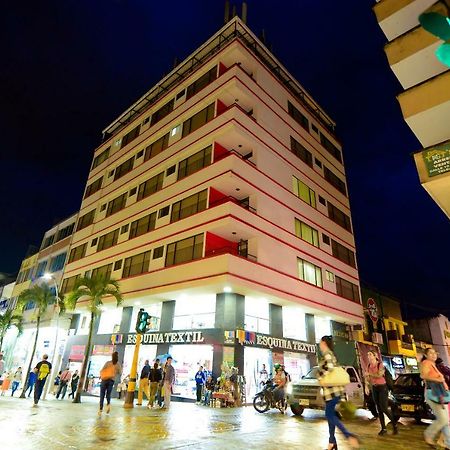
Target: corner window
{"type": "Point", "coordinates": [309, 272]}
{"type": "Point", "coordinates": [304, 192]}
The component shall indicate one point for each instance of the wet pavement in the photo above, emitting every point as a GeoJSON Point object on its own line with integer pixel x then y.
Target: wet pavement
{"type": "Point", "coordinates": [63, 425]}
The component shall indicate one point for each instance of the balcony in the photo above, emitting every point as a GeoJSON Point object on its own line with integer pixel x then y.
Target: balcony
{"type": "Point", "coordinates": [401, 345]}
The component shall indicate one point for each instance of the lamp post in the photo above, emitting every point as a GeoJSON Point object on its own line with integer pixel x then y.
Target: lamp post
{"type": "Point", "coordinates": [49, 277]}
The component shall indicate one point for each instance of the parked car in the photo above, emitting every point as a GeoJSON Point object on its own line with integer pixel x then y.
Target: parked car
{"type": "Point", "coordinates": [408, 398]}
{"type": "Point", "coordinates": [307, 393]}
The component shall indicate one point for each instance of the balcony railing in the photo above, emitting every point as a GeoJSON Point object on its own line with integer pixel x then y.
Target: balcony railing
{"type": "Point", "coordinates": [242, 203]}
{"type": "Point", "coordinates": [230, 250]}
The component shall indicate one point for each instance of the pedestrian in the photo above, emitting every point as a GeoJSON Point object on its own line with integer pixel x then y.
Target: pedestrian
{"type": "Point", "coordinates": [2, 364]}
{"type": "Point", "coordinates": [64, 380]}
{"type": "Point", "coordinates": [155, 377]}
{"type": "Point", "coordinates": [17, 378]}
{"type": "Point", "coordinates": [209, 389]}
{"type": "Point", "coordinates": [31, 381]}
{"type": "Point", "coordinates": [200, 380]}
{"type": "Point", "coordinates": [159, 396]}
{"type": "Point", "coordinates": [74, 384]}
{"type": "Point", "coordinates": [120, 388]}
{"type": "Point", "coordinates": [6, 377]}
{"type": "Point", "coordinates": [263, 375]}
{"type": "Point", "coordinates": [169, 380]}
{"type": "Point", "coordinates": [144, 384]}
{"type": "Point", "coordinates": [376, 381]}
{"type": "Point", "coordinates": [108, 374]}
{"type": "Point", "coordinates": [42, 370]}
{"type": "Point", "coordinates": [55, 386]}
{"type": "Point", "coordinates": [436, 388]}
{"type": "Point", "coordinates": [444, 369]}
{"type": "Point", "coordinates": [286, 374]}
{"type": "Point", "coordinates": [332, 395]}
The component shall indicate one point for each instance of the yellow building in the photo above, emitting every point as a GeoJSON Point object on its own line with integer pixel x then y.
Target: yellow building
{"type": "Point", "coordinates": [425, 101]}
{"type": "Point", "coordinates": [25, 276]}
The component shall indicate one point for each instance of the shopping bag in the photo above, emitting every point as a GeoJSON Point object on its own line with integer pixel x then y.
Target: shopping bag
{"type": "Point", "coordinates": [337, 376]}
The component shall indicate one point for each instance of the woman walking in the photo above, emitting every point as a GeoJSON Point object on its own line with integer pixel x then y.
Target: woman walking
{"type": "Point", "coordinates": [332, 395]}
{"type": "Point", "coordinates": [375, 378]}
{"type": "Point", "coordinates": [435, 391]}
{"type": "Point", "coordinates": [108, 374]}
{"type": "Point", "coordinates": [16, 380]}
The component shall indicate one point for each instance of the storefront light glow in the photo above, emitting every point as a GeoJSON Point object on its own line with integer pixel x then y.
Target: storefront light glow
{"type": "Point", "coordinates": [227, 289]}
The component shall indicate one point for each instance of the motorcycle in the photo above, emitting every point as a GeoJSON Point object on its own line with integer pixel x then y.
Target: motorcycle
{"type": "Point", "coordinates": [265, 399]}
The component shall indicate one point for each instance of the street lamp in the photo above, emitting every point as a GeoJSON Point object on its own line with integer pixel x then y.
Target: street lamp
{"type": "Point", "coordinates": [49, 277]}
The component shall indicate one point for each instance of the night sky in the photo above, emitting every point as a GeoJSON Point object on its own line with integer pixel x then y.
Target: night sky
{"type": "Point", "coordinates": [71, 67]}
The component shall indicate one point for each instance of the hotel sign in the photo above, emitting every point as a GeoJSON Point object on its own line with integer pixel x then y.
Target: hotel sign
{"type": "Point", "coordinates": [437, 160]}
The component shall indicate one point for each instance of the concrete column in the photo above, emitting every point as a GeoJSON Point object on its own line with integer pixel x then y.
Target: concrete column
{"type": "Point", "coordinates": [166, 323]}
{"type": "Point", "coordinates": [125, 323]}
{"type": "Point", "coordinates": [311, 336]}
{"type": "Point", "coordinates": [276, 320]}
{"type": "Point", "coordinates": [230, 311]}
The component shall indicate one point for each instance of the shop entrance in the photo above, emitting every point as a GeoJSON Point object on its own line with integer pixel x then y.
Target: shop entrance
{"type": "Point", "coordinates": [296, 365]}
{"type": "Point", "coordinates": [187, 359]}
{"type": "Point", "coordinates": [145, 352]}
{"type": "Point", "coordinates": [254, 358]}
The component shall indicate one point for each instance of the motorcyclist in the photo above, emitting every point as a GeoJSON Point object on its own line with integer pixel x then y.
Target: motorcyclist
{"type": "Point", "coordinates": [279, 381]}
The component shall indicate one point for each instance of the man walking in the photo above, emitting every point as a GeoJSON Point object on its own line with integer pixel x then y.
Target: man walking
{"type": "Point", "coordinates": [143, 384]}
{"type": "Point", "coordinates": [154, 377]}
{"type": "Point", "coordinates": [200, 380]}
{"type": "Point", "coordinates": [74, 384]}
{"type": "Point", "coordinates": [66, 375]}
{"type": "Point", "coordinates": [17, 378]}
{"type": "Point", "coordinates": [31, 380]}
{"type": "Point", "coordinates": [169, 380]}
{"type": "Point", "coordinates": [42, 371]}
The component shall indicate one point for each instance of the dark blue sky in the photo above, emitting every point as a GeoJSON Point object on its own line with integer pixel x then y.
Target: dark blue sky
{"type": "Point", "coordinates": [70, 67]}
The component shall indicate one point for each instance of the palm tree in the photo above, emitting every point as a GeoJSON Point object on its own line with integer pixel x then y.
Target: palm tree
{"type": "Point", "coordinates": [92, 291]}
{"type": "Point", "coordinates": [42, 296]}
{"type": "Point", "coordinates": [8, 320]}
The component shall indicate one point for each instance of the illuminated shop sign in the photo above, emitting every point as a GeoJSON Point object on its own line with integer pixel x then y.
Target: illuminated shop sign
{"type": "Point", "coordinates": [437, 160]}
{"type": "Point", "coordinates": [173, 337]}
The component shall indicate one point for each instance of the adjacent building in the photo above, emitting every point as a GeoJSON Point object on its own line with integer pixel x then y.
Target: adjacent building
{"type": "Point", "coordinates": [425, 101]}
{"type": "Point", "coordinates": [219, 200]}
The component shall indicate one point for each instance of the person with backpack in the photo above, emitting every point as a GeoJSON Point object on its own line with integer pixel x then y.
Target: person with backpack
{"type": "Point", "coordinates": [108, 375]}
{"type": "Point", "coordinates": [376, 379]}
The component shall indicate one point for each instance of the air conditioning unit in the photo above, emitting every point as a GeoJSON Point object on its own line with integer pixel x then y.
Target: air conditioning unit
{"type": "Point", "coordinates": [377, 338]}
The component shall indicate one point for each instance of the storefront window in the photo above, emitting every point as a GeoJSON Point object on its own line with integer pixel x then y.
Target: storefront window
{"type": "Point", "coordinates": [257, 315]}
{"type": "Point", "coordinates": [294, 323]}
{"type": "Point", "coordinates": [154, 309]}
{"type": "Point", "coordinates": [297, 365]}
{"type": "Point", "coordinates": [195, 312]}
{"type": "Point", "coordinates": [110, 321]}
{"type": "Point", "coordinates": [322, 327]}
{"type": "Point", "coordinates": [83, 324]}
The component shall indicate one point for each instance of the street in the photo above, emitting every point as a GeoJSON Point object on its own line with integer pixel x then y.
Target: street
{"type": "Point", "coordinates": [63, 425]}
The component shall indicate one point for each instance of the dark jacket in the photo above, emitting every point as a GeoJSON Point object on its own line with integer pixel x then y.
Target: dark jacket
{"type": "Point", "coordinates": [155, 375]}
{"type": "Point", "coordinates": [145, 371]}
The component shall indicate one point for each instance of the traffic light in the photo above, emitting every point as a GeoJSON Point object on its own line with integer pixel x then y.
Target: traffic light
{"type": "Point", "coordinates": [439, 25]}
{"type": "Point", "coordinates": [143, 321]}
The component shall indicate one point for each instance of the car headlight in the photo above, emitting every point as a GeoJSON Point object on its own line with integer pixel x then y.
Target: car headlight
{"type": "Point", "coordinates": [289, 389]}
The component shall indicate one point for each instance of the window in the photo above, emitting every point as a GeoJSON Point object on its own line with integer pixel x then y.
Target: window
{"type": "Point", "coordinates": [57, 262]}
{"type": "Point", "coordinates": [294, 323]}
{"type": "Point", "coordinates": [150, 186]}
{"type": "Point", "coordinates": [77, 253]}
{"type": "Point", "coordinates": [68, 284]}
{"type": "Point", "coordinates": [201, 82]}
{"type": "Point", "coordinates": [103, 271]}
{"type": "Point", "coordinates": [110, 173]}
{"type": "Point", "coordinates": [146, 120]}
{"type": "Point", "coordinates": [298, 116]}
{"type": "Point", "coordinates": [171, 170]}
{"type": "Point", "coordinates": [197, 120]}
{"type": "Point", "coordinates": [306, 232]}
{"type": "Point", "coordinates": [64, 232]}
{"type": "Point", "coordinates": [180, 94]}
{"type": "Point", "coordinates": [124, 168]}
{"type": "Point", "coordinates": [195, 162]}
{"type": "Point", "coordinates": [48, 241]}
{"type": "Point", "coordinates": [301, 152]}
{"type": "Point", "coordinates": [163, 212]}
{"type": "Point", "coordinates": [40, 270]}
{"type": "Point", "coordinates": [158, 252]}
{"type": "Point", "coordinates": [93, 187]}
{"type": "Point", "coordinates": [110, 321]}
{"type": "Point", "coordinates": [335, 181]}
{"type": "Point", "coordinates": [322, 201]}
{"type": "Point", "coordinates": [162, 112]}
{"type": "Point", "coordinates": [118, 265]}
{"type": "Point", "coordinates": [139, 154]}
{"type": "Point", "coordinates": [257, 316]}
{"type": "Point", "coordinates": [325, 239]}
{"type": "Point", "coordinates": [188, 206]}
{"type": "Point", "coordinates": [347, 290]}
{"type": "Point", "coordinates": [196, 312]}
{"type": "Point", "coordinates": [108, 240]}
{"type": "Point", "coordinates": [329, 276]}
{"type": "Point", "coordinates": [117, 204]}
{"type": "Point", "coordinates": [131, 136]}
{"type": "Point", "coordinates": [343, 253]}
{"type": "Point", "coordinates": [184, 250]}
{"type": "Point", "coordinates": [318, 163]}
{"type": "Point", "coordinates": [314, 128]}
{"type": "Point", "coordinates": [136, 265]}
{"type": "Point", "coordinates": [331, 148]}
{"type": "Point", "coordinates": [124, 229]}
{"type": "Point", "coordinates": [86, 220]}
{"type": "Point", "coordinates": [309, 272]}
{"type": "Point", "coordinates": [94, 242]}
{"type": "Point", "coordinates": [156, 147]}
{"type": "Point", "coordinates": [103, 156]}
{"type": "Point", "coordinates": [143, 225]}
{"type": "Point", "coordinates": [103, 207]}
{"type": "Point", "coordinates": [322, 327]}
{"type": "Point", "coordinates": [133, 191]}
{"type": "Point", "coordinates": [339, 217]}
{"type": "Point", "coordinates": [303, 192]}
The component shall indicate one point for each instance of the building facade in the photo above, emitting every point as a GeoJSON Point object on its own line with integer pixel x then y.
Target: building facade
{"type": "Point", "coordinates": [219, 201]}
{"type": "Point", "coordinates": [425, 101]}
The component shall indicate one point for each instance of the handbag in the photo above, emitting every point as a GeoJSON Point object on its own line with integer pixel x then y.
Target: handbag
{"type": "Point", "coordinates": [108, 372]}
{"type": "Point", "coordinates": [337, 376]}
{"type": "Point", "coordinates": [437, 393]}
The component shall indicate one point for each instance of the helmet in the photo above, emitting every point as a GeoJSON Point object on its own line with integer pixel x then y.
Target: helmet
{"type": "Point", "coordinates": [277, 366]}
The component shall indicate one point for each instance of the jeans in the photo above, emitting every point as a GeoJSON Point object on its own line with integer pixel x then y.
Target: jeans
{"type": "Point", "coordinates": [73, 389]}
{"type": "Point", "coordinates": [159, 396]}
{"type": "Point", "coordinates": [333, 421]}
{"type": "Point", "coordinates": [380, 397]}
{"type": "Point", "coordinates": [62, 389]}
{"type": "Point", "coordinates": [105, 389]}
{"type": "Point", "coordinates": [207, 399]}
{"type": "Point", "coordinates": [15, 385]}
{"type": "Point", "coordinates": [38, 388]}
{"type": "Point", "coordinates": [29, 388]}
{"type": "Point", "coordinates": [199, 392]}
{"type": "Point", "coordinates": [440, 425]}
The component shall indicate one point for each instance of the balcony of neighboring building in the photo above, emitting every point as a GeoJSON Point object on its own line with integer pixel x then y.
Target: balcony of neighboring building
{"type": "Point", "coordinates": [426, 109]}
{"type": "Point", "coordinates": [396, 17]}
{"type": "Point", "coordinates": [398, 342]}
{"type": "Point", "coordinates": [433, 167]}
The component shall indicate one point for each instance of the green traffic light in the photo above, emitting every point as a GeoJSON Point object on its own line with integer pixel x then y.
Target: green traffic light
{"type": "Point", "coordinates": [443, 53]}
{"type": "Point", "coordinates": [436, 24]}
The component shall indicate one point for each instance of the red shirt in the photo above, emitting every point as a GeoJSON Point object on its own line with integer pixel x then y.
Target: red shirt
{"type": "Point", "coordinates": [375, 380]}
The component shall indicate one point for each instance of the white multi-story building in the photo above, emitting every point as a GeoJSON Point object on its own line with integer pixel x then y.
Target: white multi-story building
{"type": "Point", "coordinates": [219, 201]}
